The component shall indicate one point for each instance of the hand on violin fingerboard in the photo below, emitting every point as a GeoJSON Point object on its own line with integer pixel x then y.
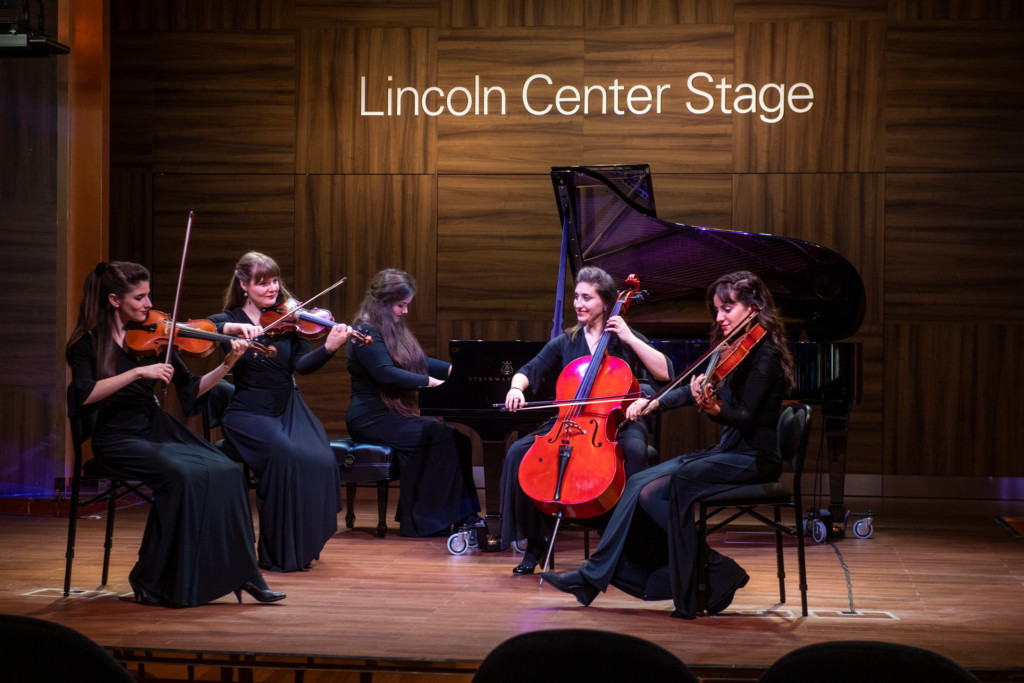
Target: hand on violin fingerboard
{"type": "Point", "coordinates": [237, 350]}
{"type": "Point", "coordinates": [337, 337]}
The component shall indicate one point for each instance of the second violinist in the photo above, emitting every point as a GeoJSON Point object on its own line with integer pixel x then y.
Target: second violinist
{"type": "Point", "coordinates": [298, 491]}
{"type": "Point", "coordinates": [593, 299]}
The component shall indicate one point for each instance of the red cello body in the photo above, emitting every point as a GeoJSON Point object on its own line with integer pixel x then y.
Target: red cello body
{"type": "Point", "coordinates": [577, 467]}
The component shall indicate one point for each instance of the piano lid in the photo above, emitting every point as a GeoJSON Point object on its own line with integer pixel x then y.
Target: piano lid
{"type": "Point", "coordinates": [612, 224]}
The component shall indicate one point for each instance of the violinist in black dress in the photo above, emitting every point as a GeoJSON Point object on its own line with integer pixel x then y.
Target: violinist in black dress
{"type": "Point", "coordinates": [649, 547]}
{"type": "Point", "coordinates": [436, 490]}
{"type": "Point", "coordinates": [198, 541]}
{"type": "Point", "coordinates": [593, 299]}
{"type": "Point", "coordinates": [298, 492]}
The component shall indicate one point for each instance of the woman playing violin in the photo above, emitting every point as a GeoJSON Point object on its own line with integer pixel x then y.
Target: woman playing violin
{"type": "Point", "coordinates": [593, 299]}
{"type": "Point", "coordinates": [297, 487]}
{"type": "Point", "coordinates": [434, 460]}
{"type": "Point", "coordinates": [198, 544]}
{"type": "Point", "coordinates": [649, 545]}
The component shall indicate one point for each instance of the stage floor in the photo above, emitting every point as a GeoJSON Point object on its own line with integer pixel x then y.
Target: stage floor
{"type": "Point", "coordinates": [943, 575]}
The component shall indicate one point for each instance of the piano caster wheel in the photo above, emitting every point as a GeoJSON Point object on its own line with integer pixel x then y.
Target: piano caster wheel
{"type": "Point", "coordinates": [458, 542]}
{"type": "Point", "coordinates": [519, 546]}
{"type": "Point", "coordinates": [863, 527]}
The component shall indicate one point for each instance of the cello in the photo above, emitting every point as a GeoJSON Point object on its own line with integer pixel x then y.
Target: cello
{"type": "Point", "coordinates": [576, 469]}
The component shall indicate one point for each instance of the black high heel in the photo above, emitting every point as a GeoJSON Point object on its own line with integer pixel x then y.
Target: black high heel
{"type": "Point", "coordinates": [144, 598]}
{"type": "Point", "coordinates": [534, 551]}
{"type": "Point", "coordinates": [260, 593]}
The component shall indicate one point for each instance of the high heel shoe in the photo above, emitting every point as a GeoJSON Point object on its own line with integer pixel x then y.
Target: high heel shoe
{"type": "Point", "coordinates": [260, 593]}
{"type": "Point", "coordinates": [143, 598]}
{"type": "Point", "coordinates": [574, 583]}
{"type": "Point", "coordinates": [534, 551]}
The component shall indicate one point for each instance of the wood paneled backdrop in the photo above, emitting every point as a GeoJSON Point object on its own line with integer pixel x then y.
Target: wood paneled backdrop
{"type": "Point", "coordinates": [910, 164]}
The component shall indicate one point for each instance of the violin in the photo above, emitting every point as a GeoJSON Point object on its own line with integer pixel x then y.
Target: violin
{"type": "Point", "coordinates": [311, 323]}
{"type": "Point", "coordinates": [721, 360]}
{"type": "Point", "coordinates": [726, 359]}
{"type": "Point", "coordinates": [194, 338]}
{"type": "Point", "coordinates": [576, 469]}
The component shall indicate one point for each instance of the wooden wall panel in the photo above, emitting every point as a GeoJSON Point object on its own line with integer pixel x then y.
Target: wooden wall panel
{"type": "Point", "coordinates": [953, 400]}
{"type": "Point", "coordinates": [498, 242]}
{"type": "Point", "coordinates": [676, 140]}
{"type": "Point", "coordinates": [234, 214]}
{"type": "Point", "coordinates": [332, 135]}
{"type": "Point", "coordinates": [800, 10]}
{"type": "Point", "coordinates": [843, 63]}
{"type": "Point", "coordinates": [199, 15]}
{"type": "Point", "coordinates": [959, 10]}
{"type": "Point", "coordinates": [366, 13]}
{"type": "Point", "coordinates": [509, 13]}
{"type": "Point", "coordinates": [133, 119]}
{"type": "Point", "coordinates": [225, 102]}
{"type": "Point", "coordinates": [518, 142]}
{"type": "Point", "coordinates": [658, 12]}
{"type": "Point", "coordinates": [954, 96]}
{"type": "Point", "coordinates": [131, 216]}
{"type": "Point", "coordinates": [954, 247]}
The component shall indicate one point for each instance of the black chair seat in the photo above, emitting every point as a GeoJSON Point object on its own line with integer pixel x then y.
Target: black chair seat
{"type": "Point", "coordinates": [365, 463]}
{"type": "Point", "coordinates": [770, 493]}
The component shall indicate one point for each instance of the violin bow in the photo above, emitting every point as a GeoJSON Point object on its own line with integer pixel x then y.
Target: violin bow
{"type": "Point", "coordinates": [740, 329]}
{"type": "Point", "coordinates": [177, 294]}
{"type": "Point", "coordinates": [305, 303]}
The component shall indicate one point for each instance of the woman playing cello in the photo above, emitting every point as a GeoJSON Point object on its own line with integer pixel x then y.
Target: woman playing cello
{"type": "Point", "coordinates": [593, 299]}
{"type": "Point", "coordinates": [198, 543]}
{"type": "Point", "coordinates": [648, 546]}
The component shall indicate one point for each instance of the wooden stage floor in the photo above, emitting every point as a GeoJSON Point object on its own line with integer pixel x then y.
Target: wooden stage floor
{"type": "Point", "coordinates": [946, 576]}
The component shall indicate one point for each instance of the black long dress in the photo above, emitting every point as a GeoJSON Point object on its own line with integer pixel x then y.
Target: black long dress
{"type": "Point", "coordinates": [434, 461]}
{"type": "Point", "coordinates": [520, 517]}
{"type": "Point", "coordinates": [198, 542]}
{"type": "Point", "coordinates": [649, 545]}
{"type": "Point", "coordinates": [298, 492]}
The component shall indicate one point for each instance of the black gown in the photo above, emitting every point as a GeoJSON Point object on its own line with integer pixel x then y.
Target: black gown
{"type": "Point", "coordinates": [520, 517]}
{"type": "Point", "coordinates": [198, 542]}
{"type": "Point", "coordinates": [298, 492]}
{"type": "Point", "coordinates": [435, 466]}
{"type": "Point", "coordinates": [649, 546]}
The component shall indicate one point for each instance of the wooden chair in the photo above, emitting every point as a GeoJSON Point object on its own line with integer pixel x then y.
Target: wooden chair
{"type": "Point", "coordinates": [794, 430]}
{"type": "Point", "coordinates": [362, 464]}
{"type": "Point", "coordinates": [113, 487]}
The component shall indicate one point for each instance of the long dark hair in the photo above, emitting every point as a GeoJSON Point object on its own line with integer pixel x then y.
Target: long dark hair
{"type": "Point", "coordinates": [253, 267]}
{"type": "Point", "coordinates": [748, 289]}
{"type": "Point", "coordinates": [96, 315]}
{"type": "Point", "coordinates": [605, 286]}
{"type": "Point", "coordinates": [387, 288]}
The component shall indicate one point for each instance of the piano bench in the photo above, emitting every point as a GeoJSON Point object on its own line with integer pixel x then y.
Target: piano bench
{"type": "Point", "coordinates": [365, 463]}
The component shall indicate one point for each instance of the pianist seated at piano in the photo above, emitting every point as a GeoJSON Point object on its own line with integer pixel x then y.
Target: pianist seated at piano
{"type": "Point", "coordinates": [436, 489]}
{"type": "Point", "coordinates": [593, 299]}
{"type": "Point", "coordinates": [649, 545]}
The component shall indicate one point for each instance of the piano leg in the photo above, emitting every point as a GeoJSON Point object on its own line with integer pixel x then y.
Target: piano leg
{"type": "Point", "coordinates": [836, 417]}
{"type": "Point", "coordinates": [493, 455]}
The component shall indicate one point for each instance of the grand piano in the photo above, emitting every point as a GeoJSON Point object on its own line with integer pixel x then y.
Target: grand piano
{"type": "Point", "coordinates": [609, 220]}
